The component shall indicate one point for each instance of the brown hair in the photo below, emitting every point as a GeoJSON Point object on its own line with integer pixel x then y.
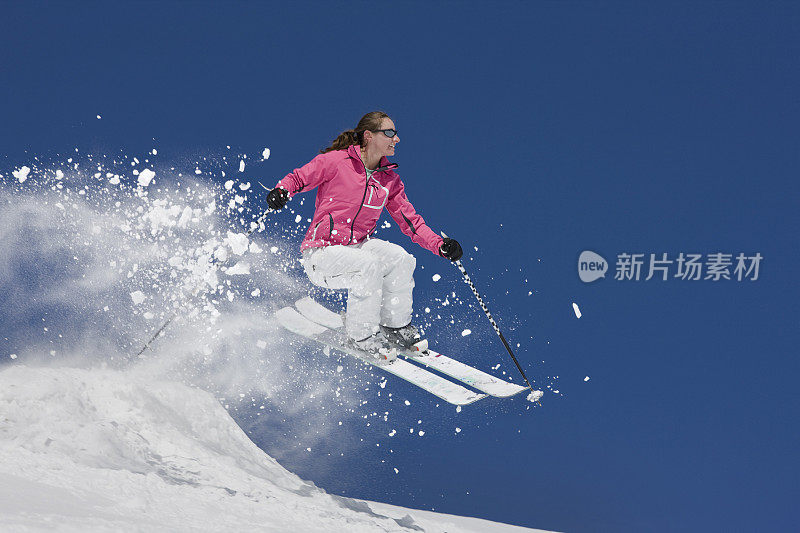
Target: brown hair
{"type": "Point", "coordinates": [371, 121]}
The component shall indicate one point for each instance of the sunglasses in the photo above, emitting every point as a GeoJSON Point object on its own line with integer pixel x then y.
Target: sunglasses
{"type": "Point", "coordinates": [388, 132]}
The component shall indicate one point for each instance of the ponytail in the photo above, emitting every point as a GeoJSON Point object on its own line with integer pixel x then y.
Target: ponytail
{"type": "Point", "coordinates": [370, 121]}
{"type": "Point", "coordinates": [345, 139]}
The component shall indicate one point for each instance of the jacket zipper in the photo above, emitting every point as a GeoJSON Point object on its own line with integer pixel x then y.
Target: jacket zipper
{"type": "Point", "coordinates": [361, 205]}
{"type": "Point", "coordinates": [366, 186]}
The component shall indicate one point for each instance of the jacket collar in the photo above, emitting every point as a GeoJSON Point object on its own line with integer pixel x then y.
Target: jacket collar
{"type": "Point", "coordinates": [354, 151]}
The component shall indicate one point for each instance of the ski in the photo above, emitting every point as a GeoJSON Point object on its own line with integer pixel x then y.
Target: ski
{"type": "Point", "coordinates": [453, 368]}
{"type": "Point", "coordinates": [448, 391]}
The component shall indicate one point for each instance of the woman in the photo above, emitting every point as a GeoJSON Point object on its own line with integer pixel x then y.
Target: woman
{"type": "Point", "coordinates": [356, 181]}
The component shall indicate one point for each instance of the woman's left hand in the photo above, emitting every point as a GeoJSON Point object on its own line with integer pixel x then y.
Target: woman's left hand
{"type": "Point", "coordinates": [450, 249]}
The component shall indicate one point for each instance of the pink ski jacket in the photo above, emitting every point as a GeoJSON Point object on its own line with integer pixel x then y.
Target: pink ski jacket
{"type": "Point", "coordinates": [348, 205]}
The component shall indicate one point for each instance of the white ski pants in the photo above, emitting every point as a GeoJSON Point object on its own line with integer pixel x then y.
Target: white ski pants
{"type": "Point", "coordinates": [378, 276]}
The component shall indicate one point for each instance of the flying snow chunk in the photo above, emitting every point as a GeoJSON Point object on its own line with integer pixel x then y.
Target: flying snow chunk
{"type": "Point", "coordinates": [22, 174]}
{"type": "Point", "coordinates": [241, 165]}
{"type": "Point", "coordinates": [148, 315]}
{"type": "Point", "coordinates": [99, 117]}
{"type": "Point", "coordinates": [145, 177]}
{"type": "Point", "coordinates": [239, 269]}
{"type": "Point", "coordinates": [535, 396]}
{"type": "Point", "coordinates": [261, 344]}
{"type": "Point", "coordinates": [13, 356]}
{"type": "Point", "coordinates": [586, 378]}
{"type": "Point", "coordinates": [114, 180]}
{"type": "Point", "coordinates": [228, 185]}
{"type": "Point", "coordinates": [59, 174]}
{"type": "Point", "coordinates": [186, 217]}
{"type": "Point", "coordinates": [576, 309]}
{"type": "Point", "coordinates": [265, 153]}
{"type": "Point", "coordinates": [256, 293]}
{"type": "Point", "coordinates": [154, 151]}
{"type": "Point", "coordinates": [297, 219]}
{"type": "Point", "coordinates": [466, 332]}
{"type": "Point", "coordinates": [436, 277]}
{"type": "Point", "coordinates": [255, 248]}
{"type": "Point", "coordinates": [244, 186]}
{"type": "Point", "coordinates": [238, 242]}
{"type": "Point", "coordinates": [137, 297]}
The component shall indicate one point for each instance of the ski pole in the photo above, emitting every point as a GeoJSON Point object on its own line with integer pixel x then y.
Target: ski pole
{"type": "Point", "coordinates": [259, 221]}
{"type": "Point", "coordinates": [468, 280]}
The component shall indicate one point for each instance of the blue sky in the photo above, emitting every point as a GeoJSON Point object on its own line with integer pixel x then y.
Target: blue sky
{"type": "Point", "coordinates": [532, 131]}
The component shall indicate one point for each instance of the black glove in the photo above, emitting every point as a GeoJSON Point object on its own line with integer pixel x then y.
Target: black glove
{"type": "Point", "coordinates": [277, 198]}
{"type": "Point", "coordinates": [450, 249]}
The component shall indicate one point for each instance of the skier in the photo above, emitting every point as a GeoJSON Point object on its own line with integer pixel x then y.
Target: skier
{"type": "Point", "coordinates": [356, 181]}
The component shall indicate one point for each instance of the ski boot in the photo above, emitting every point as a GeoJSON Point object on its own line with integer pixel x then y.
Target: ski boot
{"type": "Point", "coordinates": [407, 336]}
{"type": "Point", "coordinates": [378, 346]}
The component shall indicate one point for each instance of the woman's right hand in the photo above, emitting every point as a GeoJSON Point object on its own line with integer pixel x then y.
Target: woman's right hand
{"type": "Point", "coordinates": [277, 198]}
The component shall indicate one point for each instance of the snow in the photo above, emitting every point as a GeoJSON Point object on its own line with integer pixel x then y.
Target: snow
{"type": "Point", "coordinates": [466, 332]}
{"type": "Point", "coordinates": [229, 185]}
{"type": "Point", "coordinates": [238, 242]}
{"type": "Point", "coordinates": [265, 153]}
{"type": "Point", "coordinates": [576, 309]}
{"type": "Point", "coordinates": [154, 267]}
{"type": "Point", "coordinates": [535, 396]}
{"type": "Point", "coordinates": [22, 174]}
{"type": "Point", "coordinates": [186, 217]}
{"type": "Point", "coordinates": [241, 165]}
{"type": "Point", "coordinates": [145, 177]}
{"type": "Point", "coordinates": [436, 277]}
{"type": "Point", "coordinates": [102, 450]}
{"type": "Point", "coordinates": [239, 269]}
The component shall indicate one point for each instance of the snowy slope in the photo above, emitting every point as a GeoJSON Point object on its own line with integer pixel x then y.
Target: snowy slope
{"type": "Point", "coordinates": [99, 450]}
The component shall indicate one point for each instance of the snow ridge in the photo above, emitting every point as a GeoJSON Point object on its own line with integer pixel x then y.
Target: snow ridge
{"type": "Point", "coordinates": [132, 452]}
